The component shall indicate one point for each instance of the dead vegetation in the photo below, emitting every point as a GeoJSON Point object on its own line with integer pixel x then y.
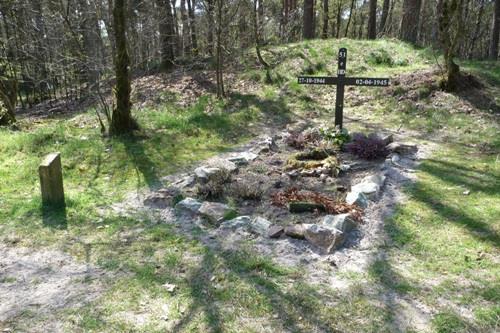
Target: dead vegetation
{"type": "Point", "coordinates": [331, 205]}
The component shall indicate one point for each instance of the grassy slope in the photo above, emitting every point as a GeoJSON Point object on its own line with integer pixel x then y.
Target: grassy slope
{"type": "Point", "coordinates": [444, 244]}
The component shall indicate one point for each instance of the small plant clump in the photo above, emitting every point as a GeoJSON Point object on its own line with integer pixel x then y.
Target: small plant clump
{"type": "Point", "coordinates": [331, 206]}
{"type": "Point", "coordinates": [215, 187]}
{"type": "Point", "coordinates": [335, 135]}
{"type": "Point", "coordinates": [369, 147]}
{"type": "Point", "coordinates": [380, 57]}
{"type": "Point", "coordinates": [252, 187]}
{"type": "Point", "coordinates": [304, 139]}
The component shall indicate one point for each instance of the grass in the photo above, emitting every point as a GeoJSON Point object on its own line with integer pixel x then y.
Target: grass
{"type": "Point", "coordinates": [443, 245]}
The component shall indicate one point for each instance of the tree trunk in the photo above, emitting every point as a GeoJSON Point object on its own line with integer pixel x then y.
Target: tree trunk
{"type": "Point", "coordinates": [475, 35]}
{"type": "Point", "coordinates": [308, 20]}
{"type": "Point", "coordinates": [192, 24]}
{"type": "Point", "coordinates": [324, 34]}
{"type": "Point", "coordinates": [421, 26]}
{"type": "Point", "coordinates": [339, 18]}
{"type": "Point", "coordinates": [221, 93]}
{"type": "Point", "coordinates": [8, 99]}
{"type": "Point", "coordinates": [372, 20]}
{"type": "Point", "coordinates": [409, 20]}
{"type": "Point", "coordinates": [90, 32]}
{"type": "Point", "coordinates": [349, 19]}
{"type": "Point", "coordinates": [121, 121]}
{"type": "Point", "coordinates": [186, 35]}
{"type": "Point", "coordinates": [385, 13]}
{"type": "Point", "coordinates": [256, 22]}
{"type": "Point", "coordinates": [495, 32]}
{"type": "Point", "coordinates": [210, 32]}
{"type": "Point", "coordinates": [450, 30]}
{"type": "Point", "coordinates": [167, 35]}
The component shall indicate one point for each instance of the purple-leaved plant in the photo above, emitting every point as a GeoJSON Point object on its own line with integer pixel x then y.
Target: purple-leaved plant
{"type": "Point", "coordinates": [369, 147]}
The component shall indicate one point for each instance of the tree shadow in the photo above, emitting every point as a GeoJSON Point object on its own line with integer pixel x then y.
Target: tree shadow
{"type": "Point", "coordinates": [295, 309]}
{"type": "Point", "coordinates": [479, 99]}
{"type": "Point", "coordinates": [474, 180]}
{"type": "Point", "coordinates": [143, 164]}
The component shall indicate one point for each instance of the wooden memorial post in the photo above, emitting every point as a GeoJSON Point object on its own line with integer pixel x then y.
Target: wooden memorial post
{"type": "Point", "coordinates": [340, 81]}
{"type": "Point", "coordinates": [51, 181]}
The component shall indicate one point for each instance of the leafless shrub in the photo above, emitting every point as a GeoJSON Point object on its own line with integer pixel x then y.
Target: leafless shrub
{"type": "Point", "coordinates": [252, 187]}
{"type": "Point", "coordinates": [216, 185]}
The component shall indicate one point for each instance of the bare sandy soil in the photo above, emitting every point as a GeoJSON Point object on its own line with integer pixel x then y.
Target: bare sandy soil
{"type": "Point", "coordinates": [41, 283]}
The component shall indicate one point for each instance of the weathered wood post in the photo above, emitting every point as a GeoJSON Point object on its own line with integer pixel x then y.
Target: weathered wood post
{"type": "Point", "coordinates": [51, 181]}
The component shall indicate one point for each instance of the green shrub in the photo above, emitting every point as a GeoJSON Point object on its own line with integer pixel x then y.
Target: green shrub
{"type": "Point", "coordinates": [335, 135]}
{"type": "Point", "coordinates": [380, 57]}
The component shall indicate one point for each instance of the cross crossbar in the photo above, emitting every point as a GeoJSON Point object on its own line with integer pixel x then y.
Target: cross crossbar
{"type": "Point", "coordinates": [340, 81]}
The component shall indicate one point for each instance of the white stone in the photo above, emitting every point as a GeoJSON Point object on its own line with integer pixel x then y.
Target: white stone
{"type": "Point", "coordinates": [260, 226]}
{"type": "Point", "coordinates": [366, 188]}
{"type": "Point", "coordinates": [243, 158]}
{"type": "Point", "coordinates": [215, 212]}
{"type": "Point", "coordinates": [204, 173]}
{"type": "Point", "coordinates": [236, 223]}
{"type": "Point", "coordinates": [189, 204]}
{"type": "Point", "coordinates": [344, 167]}
{"type": "Point", "coordinates": [357, 198]}
{"type": "Point", "coordinates": [327, 239]}
{"type": "Point", "coordinates": [342, 222]}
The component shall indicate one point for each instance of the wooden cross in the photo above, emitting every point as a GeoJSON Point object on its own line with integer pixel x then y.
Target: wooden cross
{"type": "Point", "coordinates": [340, 81]}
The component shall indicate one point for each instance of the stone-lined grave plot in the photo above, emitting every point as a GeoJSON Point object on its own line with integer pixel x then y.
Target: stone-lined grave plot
{"type": "Point", "coordinates": [295, 192]}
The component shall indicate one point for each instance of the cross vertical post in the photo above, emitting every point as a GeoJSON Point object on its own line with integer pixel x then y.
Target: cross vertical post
{"type": "Point", "coordinates": [341, 81]}
{"type": "Point", "coordinates": [339, 100]}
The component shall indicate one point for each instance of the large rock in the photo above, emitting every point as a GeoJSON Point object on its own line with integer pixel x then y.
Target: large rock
{"type": "Point", "coordinates": [265, 145]}
{"type": "Point", "coordinates": [260, 226]}
{"type": "Point", "coordinates": [257, 225]}
{"type": "Point", "coordinates": [240, 222]}
{"type": "Point", "coordinates": [402, 148]}
{"type": "Point", "coordinates": [326, 239]}
{"type": "Point", "coordinates": [243, 158]}
{"type": "Point", "coordinates": [204, 173]}
{"type": "Point", "coordinates": [366, 188]}
{"type": "Point", "coordinates": [163, 198]}
{"type": "Point", "coordinates": [342, 222]}
{"type": "Point", "coordinates": [387, 138]}
{"type": "Point", "coordinates": [275, 231]}
{"type": "Point", "coordinates": [225, 164]}
{"type": "Point", "coordinates": [295, 231]}
{"type": "Point", "coordinates": [357, 198]}
{"type": "Point", "coordinates": [189, 205]}
{"type": "Point", "coordinates": [216, 212]}
{"type": "Point", "coordinates": [370, 185]}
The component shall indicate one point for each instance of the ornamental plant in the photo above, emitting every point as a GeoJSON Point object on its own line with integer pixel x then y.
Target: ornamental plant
{"type": "Point", "coordinates": [369, 147]}
{"type": "Point", "coordinates": [335, 135]}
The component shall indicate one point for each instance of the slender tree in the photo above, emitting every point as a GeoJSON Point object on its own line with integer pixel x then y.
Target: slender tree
{"type": "Point", "coordinates": [372, 20]}
{"type": "Point", "coordinates": [167, 34]}
{"type": "Point", "coordinates": [385, 13]}
{"type": "Point", "coordinates": [495, 32]}
{"type": "Point", "coordinates": [308, 20]}
{"type": "Point", "coordinates": [8, 98]}
{"type": "Point", "coordinates": [186, 35]}
{"type": "Point", "coordinates": [351, 10]}
{"type": "Point", "coordinates": [192, 25]}
{"type": "Point", "coordinates": [121, 121]}
{"type": "Point", "coordinates": [477, 28]}
{"type": "Point", "coordinates": [324, 33]}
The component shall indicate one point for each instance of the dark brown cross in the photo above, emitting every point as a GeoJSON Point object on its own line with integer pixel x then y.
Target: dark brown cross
{"type": "Point", "coordinates": [340, 81]}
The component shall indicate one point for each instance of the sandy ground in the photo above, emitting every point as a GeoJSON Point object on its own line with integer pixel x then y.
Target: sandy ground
{"type": "Point", "coordinates": [40, 283]}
